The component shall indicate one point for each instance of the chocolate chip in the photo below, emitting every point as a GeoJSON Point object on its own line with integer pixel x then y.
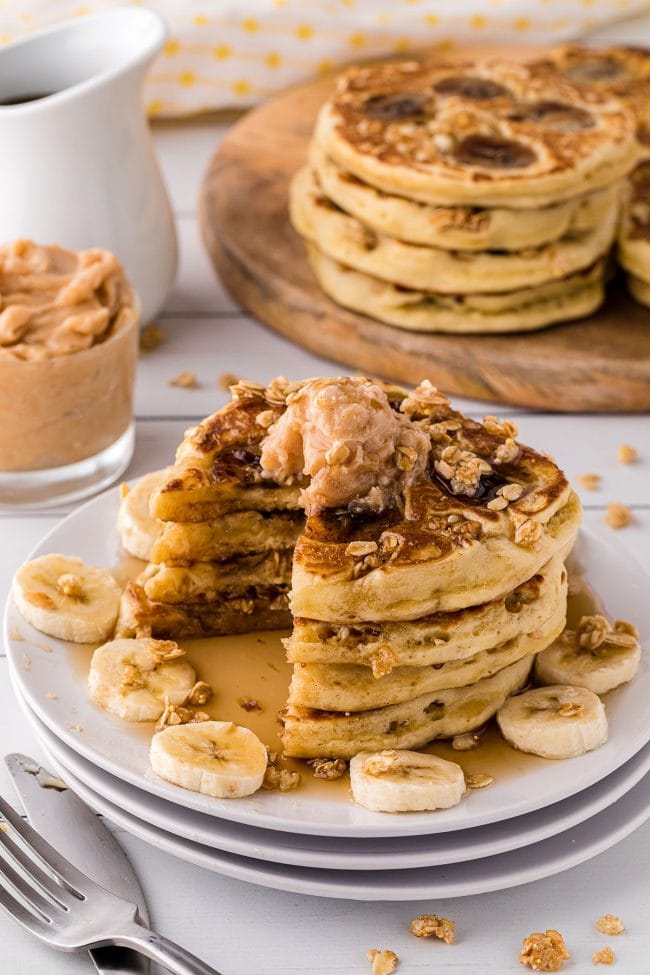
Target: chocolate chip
{"type": "Point", "coordinates": [494, 153]}
{"type": "Point", "coordinates": [565, 118]}
{"type": "Point", "coordinates": [597, 69]}
{"type": "Point", "coordinates": [478, 89]}
{"type": "Point", "coordinates": [396, 106]}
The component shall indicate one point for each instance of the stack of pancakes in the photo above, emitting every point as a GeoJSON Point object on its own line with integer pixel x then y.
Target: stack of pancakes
{"type": "Point", "coordinates": [464, 197]}
{"type": "Point", "coordinates": [625, 73]}
{"type": "Point", "coordinates": [410, 623]}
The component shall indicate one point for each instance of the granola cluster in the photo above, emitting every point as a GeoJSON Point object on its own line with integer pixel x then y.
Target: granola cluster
{"type": "Point", "coordinates": [594, 632]}
{"type": "Point", "coordinates": [328, 768]}
{"type": "Point", "coordinates": [609, 924]}
{"type": "Point", "coordinates": [383, 960]}
{"type": "Point", "coordinates": [544, 952]}
{"type": "Point", "coordinates": [432, 926]}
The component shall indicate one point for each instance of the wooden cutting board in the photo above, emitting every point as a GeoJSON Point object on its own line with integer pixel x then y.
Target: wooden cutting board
{"type": "Point", "coordinates": [601, 363]}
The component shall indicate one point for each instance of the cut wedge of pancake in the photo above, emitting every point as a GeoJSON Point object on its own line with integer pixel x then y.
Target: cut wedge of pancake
{"type": "Point", "coordinates": [423, 311]}
{"type": "Point", "coordinates": [258, 608]}
{"type": "Point", "coordinates": [231, 534]}
{"type": "Point", "coordinates": [204, 582]}
{"type": "Point", "coordinates": [435, 640]}
{"type": "Point", "coordinates": [310, 733]}
{"type": "Point", "coordinates": [462, 227]}
{"type": "Point", "coordinates": [343, 238]}
{"type": "Point", "coordinates": [346, 687]}
{"type": "Point", "coordinates": [486, 133]}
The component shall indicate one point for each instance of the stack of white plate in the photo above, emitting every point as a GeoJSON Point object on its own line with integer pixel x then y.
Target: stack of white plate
{"type": "Point", "coordinates": [542, 818]}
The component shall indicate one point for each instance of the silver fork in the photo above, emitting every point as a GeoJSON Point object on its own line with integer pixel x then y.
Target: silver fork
{"type": "Point", "coordinates": [67, 910]}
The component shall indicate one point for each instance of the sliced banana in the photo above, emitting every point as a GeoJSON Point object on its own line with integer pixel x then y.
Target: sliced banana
{"type": "Point", "coordinates": [217, 758]}
{"type": "Point", "coordinates": [596, 659]}
{"type": "Point", "coordinates": [65, 598]}
{"type": "Point", "coordinates": [136, 679]}
{"type": "Point", "coordinates": [137, 529]}
{"type": "Point", "coordinates": [555, 722]}
{"type": "Point", "coordinates": [405, 781]}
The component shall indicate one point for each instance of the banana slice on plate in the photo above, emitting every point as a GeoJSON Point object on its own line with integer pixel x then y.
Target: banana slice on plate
{"type": "Point", "coordinates": [138, 531]}
{"type": "Point", "coordinates": [559, 721]}
{"type": "Point", "coordinates": [65, 598]}
{"type": "Point", "coordinates": [135, 679]}
{"type": "Point", "coordinates": [405, 781]}
{"type": "Point", "coordinates": [217, 758]}
{"type": "Point", "coordinates": [597, 658]}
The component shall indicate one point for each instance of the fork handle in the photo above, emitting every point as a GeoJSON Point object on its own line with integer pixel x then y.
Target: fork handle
{"type": "Point", "coordinates": [167, 953]}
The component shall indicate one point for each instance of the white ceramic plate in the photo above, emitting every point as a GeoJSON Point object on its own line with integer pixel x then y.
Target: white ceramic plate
{"type": "Point", "coordinates": [43, 667]}
{"type": "Point", "coordinates": [342, 853]}
{"type": "Point", "coordinates": [544, 859]}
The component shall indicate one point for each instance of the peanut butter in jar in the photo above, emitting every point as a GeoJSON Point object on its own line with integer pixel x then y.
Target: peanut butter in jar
{"type": "Point", "coordinates": [68, 348]}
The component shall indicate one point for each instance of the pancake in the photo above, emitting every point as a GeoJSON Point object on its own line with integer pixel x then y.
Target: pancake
{"type": "Point", "coordinates": [349, 687]}
{"type": "Point", "coordinates": [463, 227]}
{"type": "Point", "coordinates": [634, 236]}
{"type": "Point", "coordinates": [232, 534]}
{"type": "Point", "coordinates": [620, 70]}
{"type": "Point", "coordinates": [435, 569]}
{"type": "Point", "coordinates": [205, 582]}
{"type": "Point", "coordinates": [424, 311]}
{"type": "Point", "coordinates": [311, 733]}
{"type": "Point", "coordinates": [258, 608]}
{"type": "Point", "coordinates": [434, 640]}
{"type": "Point", "coordinates": [343, 238]}
{"type": "Point", "coordinates": [489, 133]}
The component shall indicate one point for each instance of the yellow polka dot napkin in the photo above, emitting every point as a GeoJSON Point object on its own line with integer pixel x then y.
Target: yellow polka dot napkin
{"type": "Point", "coordinates": [223, 54]}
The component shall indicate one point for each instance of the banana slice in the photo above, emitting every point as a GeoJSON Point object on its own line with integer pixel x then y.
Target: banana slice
{"type": "Point", "coordinates": [596, 656]}
{"type": "Point", "coordinates": [67, 599]}
{"type": "Point", "coordinates": [135, 679]}
{"type": "Point", "coordinates": [217, 758]}
{"type": "Point", "coordinates": [137, 529]}
{"type": "Point", "coordinates": [555, 722]}
{"type": "Point", "coordinates": [405, 781]}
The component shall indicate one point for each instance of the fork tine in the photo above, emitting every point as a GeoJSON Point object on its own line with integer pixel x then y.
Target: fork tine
{"type": "Point", "coordinates": [45, 881]}
{"type": "Point", "coordinates": [21, 914]}
{"type": "Point", "coordinates": [30, 894]}
{"type": "Point", "coordinates": [70, 877]}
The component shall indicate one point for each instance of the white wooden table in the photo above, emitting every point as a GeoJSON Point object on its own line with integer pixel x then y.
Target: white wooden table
{"type": "Point", "coordinates": [245, 930]}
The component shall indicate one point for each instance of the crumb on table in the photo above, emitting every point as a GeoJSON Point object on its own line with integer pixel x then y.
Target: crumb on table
{"type": "Point", "coordinates": [383, 961]}
{"type": "Point", "coordinates": [544, 951]}
{"type": "Point", "coordinates": [603, 957]}
{"type": "Point", "coordinates": [609, 924]}
{"type": "Point", "coordinates": [590, 481]}
{"type": "Point", "coordinates": [618, 515]}
{"type": "Point", "coordinates": [432, 926]}
{"type": "Point", "coordinates": [627, 454]}
{"type": "Point", "coordinates": [185, 380]}
{"type": "Point", "coordinates": [151, 336]}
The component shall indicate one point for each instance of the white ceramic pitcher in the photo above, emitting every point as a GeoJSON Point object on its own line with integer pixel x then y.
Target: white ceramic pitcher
{"type": "Point", "coordinates": [77, 166]}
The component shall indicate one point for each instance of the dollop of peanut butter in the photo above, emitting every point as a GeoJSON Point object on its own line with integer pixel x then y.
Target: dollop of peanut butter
{"type": "Point", "coordinates": [55, 302]}
{"type": "Point", "coordinates": [344, 435]}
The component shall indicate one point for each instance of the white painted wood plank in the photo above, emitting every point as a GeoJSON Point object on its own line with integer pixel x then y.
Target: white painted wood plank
{"type": "Point", "coordinates": [183, 167]}
{"type": "Point", "coordinates": [197, 287]}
